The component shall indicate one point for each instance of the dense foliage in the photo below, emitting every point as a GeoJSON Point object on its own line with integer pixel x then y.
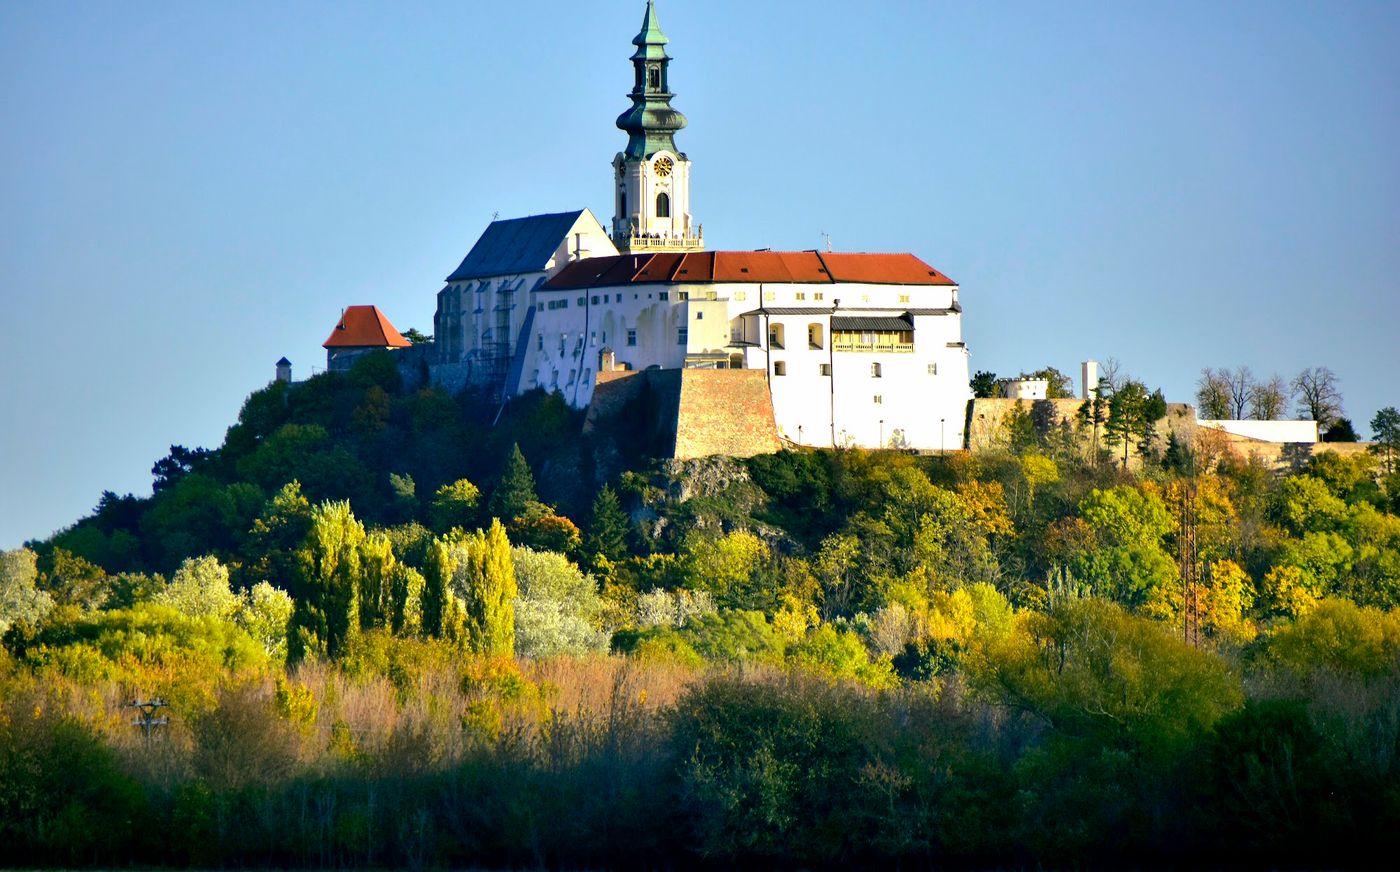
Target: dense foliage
{"type": "Point", "coordinates": [390, 633]}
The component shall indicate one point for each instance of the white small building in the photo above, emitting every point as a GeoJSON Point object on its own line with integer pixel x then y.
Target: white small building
{"type": "Point", "coordinates": [1025, 388]}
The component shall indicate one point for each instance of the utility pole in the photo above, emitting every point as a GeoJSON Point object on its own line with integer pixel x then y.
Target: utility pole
{"type": "Point", "coordinates": [1188, 561]}
{"type": "Point", "coordinates": [146, 714]}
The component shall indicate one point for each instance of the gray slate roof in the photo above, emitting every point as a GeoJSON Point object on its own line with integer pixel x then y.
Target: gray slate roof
{"type": "Point", "coordinates": [515, 245]}
{"type": "Point", "coordinates": [874, 325]}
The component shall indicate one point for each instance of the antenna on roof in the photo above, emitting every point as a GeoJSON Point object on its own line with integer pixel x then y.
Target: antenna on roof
{"type": "Point", "coordinates": [827, 237]}
{"type": "Point", "coordinates": [495, 215]}
{"type": "Point", "coordinates": [341, 325]}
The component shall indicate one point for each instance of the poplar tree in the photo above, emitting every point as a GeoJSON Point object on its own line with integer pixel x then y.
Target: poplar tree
{"type": "Point", "coordinates": [491, 608]}
{"type": "Point", "coordinates": [327, 614]}
{"type": "Point", "coordinates": [378, 567]}
{"type": "Point", "coordinates": [441, 610]}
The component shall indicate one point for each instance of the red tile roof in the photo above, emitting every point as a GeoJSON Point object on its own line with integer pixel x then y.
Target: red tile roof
{"type": "Point", "coordinates": [782, 267]}
{"type": "Point", "coordinates": [364, 327]}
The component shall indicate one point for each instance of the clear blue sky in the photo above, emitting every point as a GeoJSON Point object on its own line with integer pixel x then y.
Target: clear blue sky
{"type": "Point", "coordinates": [189, 191]}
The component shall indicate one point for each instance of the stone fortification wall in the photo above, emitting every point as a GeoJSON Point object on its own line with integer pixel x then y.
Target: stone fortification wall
{"type": "Point", "coordinates": [725, 411]}
{"type": "Point", "coordinates": [688, 413]}
{"type": "Point", "coordinates": [1280, 456]}
{"type": "Point", "coordinates": [987, 417]}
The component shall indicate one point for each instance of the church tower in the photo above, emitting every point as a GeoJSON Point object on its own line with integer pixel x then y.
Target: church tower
{"type": "Point", "coordinates": [651, 178]}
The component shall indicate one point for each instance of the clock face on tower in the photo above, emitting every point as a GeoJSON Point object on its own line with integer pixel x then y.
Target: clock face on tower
{"type": "Point", "coordinates": [663, 166]}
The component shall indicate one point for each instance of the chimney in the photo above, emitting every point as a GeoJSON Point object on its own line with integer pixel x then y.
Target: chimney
{"type": "Point", "coordinates": [1089, 378]}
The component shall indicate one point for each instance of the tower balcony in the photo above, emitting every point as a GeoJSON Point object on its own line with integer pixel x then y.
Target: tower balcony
{"type": "Point", "coordinates": [658, 242]}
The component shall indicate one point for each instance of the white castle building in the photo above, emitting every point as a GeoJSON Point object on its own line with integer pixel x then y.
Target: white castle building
{"type": "Point", "coordinates": [859, 349]}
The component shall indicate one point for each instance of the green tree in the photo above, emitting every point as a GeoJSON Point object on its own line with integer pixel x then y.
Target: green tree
{"type": "Point", "coordinates": [442, 611]}
{"type": "Point", "coordinates": [491, 599]}
{"type": "Point", "coordinates": [558, 609]}
{"type": "Point", "coordinates": [378, 571]}
{"type": "Point", "coordinates": [516, 489]}
{"type": "Point", "coordinates": [1385, 427]}
{"type": "Point", "coordinates": [1132, 417]}
{"type": "Point", "coordinates": [20, 598]}
{"type": "Point", "coordinates": [454, 505]}
{"type": "Point", "coordinates": [984, 384]}
{"type": "Point", "coordinates": [607, 528]}
{"type": "Point", "coordinates": [200, 587]}
{"type": "Point", "coordinates": [327, 613]}
{"type": "Point", "coordinates": [1058, 385]}
{"type": "Point", "coordinates": [264, 615]}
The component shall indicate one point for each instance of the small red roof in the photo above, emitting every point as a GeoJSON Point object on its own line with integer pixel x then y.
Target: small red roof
{"type": "Point", "coordinates": [785, 267]}
{"type": "Point", "coordinates": [364, 327]}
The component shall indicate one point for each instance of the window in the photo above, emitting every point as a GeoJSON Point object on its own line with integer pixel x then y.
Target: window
{"type": "Point", "coordinates": [661, 296]}
{"type": "Point", "coordinates": [779, 367]}
{"type": "Point", "coordinates": [699, 316]}
{"type": "Point", "coordinates": [631, 335]}
{"type": "Point", "coordinates": [904, 298]}
{"type": "Point", "coordinates": [682, 295]}
{"type": "Point", "coordinates": [775, 335]}
{"type": "Point", "coordinates": [814, 336]}
{"type": "Point", "coordinates": [539, 342]}
{"type": "Point", "coordinates": [682, 335]}
{"type": "Point", "coordinates": [801, 295]}
{"type": "Point", "coordinates": [933, 369]}
{"type": "Point", "coordinates": [654, 77]}
{"type": "Point", "coordinates": [663, 205]}
{"type": "Point", "coordinates": [594, 300]}
{"type": "Point", "coordinates": [593, 338]}
{"type": "Point", "coordinates": [818, 295]}
{"type": "Point", "coordinates": [583, 301]}
{"type": "Point", "coordinates": [879, 400]}
{"type": "Point", "coordinates": [741, 295]}
{"type": "Point", "coordinates": [770, 296]}
{"type": "Point", "coordinates": [875, 370]}
{"type": "Point", "coordinates": [826, 369]}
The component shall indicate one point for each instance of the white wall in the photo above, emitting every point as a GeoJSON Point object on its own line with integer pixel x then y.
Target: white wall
{"type": "Point", "coordinates": [922, 394]}
{"type": "Point", "coordinates": [1268, 431]}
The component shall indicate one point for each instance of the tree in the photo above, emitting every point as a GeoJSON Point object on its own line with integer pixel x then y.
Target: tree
{"type": "Point", "coordinates": [485, 580]}
{"type": "Point", "coordinates": [984, 384]}
{"type": "Point", "coordinates": [1341, 431]}
{"type": "Point", "coordinates": [200, 587]}
{"type": "Point", "coordinates": [1319, 398]}
{"type": "Point", "coordinates": [1213, 395]}
{"type": "Point", "coordinates": [516, 489]}
{"type": "Point", "coordinates": [1132, 416]}
{"type": "Point", "coordinates": [1268, 400]}
{"type": "Point", "coordinates": [1239, 387]}
{"type": "Point", "coordinates": [416, 336]}
{"type": "Point", "coordinates": [454, 505]}
{"type": "Point", "coordinates": [607, 528]}
{"type": "Point", "coordinates": [1058, 385]}
{"type": "Point", "coordinates": [442, 613]}
{"type": "Point", "coordinates": [20, 599]}
{"type": "Point", "coordinates": [378, 571]}
{"type": "Point", "coordinates": [264, 615]}
{"type": "Point", "coordinates": [558, 608]}
{"type": "Point", "coordinates": [1385, 427]}
{"type": "Point", "coordinates": [327, 614]}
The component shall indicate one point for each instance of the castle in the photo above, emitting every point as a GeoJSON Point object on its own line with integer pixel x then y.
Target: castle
{"type": "Point", "coordinates": [843, 349]}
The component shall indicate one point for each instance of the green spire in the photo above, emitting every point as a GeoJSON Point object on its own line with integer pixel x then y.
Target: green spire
{"type": "Point", "coordinates": [651, 122]}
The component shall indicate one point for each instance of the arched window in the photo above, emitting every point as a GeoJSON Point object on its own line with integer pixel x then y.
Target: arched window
{"type": "Point", "coordinates": [663, 206]}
